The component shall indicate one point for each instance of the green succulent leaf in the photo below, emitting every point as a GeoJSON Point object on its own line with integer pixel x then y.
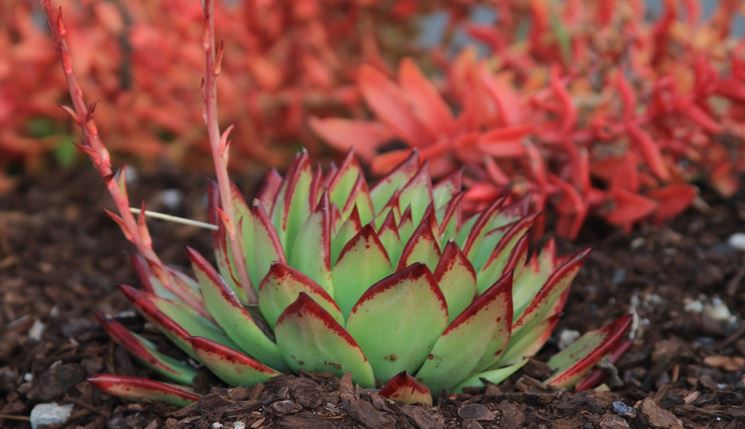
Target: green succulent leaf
{"type": "Point", "coordinates": [422, 246]}
{"type": "Point", "coordinates": [473, 341]}
{"type": "Point", "coordinates": [511, 250]}
{"type": "Point", "coordinates": [526, 342]}
{"type": "Point", "coordinates": [572, 363]}
{"type": "Point", "coordinates": [147, 353]}
{"type": "Point", "coordinates": [446, 189]}
{"type": "Point", "coordinates": [348, 229]}
{"type": "Point", "coordinates": [457, 279]}
{"type": "Point", "coordinates": [293, 204]}
{"type": "Point", "coordinates": [395, 180]}
{"type": "Point", "coordinates": [417, 194]}
{"type": "Point", "coordinates": [281, 287]}
{"type": "Point", "coordinates": [237, 323]}
{"type": "Point", "coordinates": [231, 366]}
{"type": "Point", "coordinates": [311, 253]}
{"type": "Point", "coordinates": [311, 340]}
{"type": "Point", "coordinates": [494, 376]}
{"type": "Point", "coordinates": [138, 389]}
{"type": "Point", "coordinates": [263, 247]}
{"type": "Point", "coordinates": [362, 263]}
{"type": "Point", "coordinates": [398, 320]}
{"type": "Point", "coordinates": [388, 234]}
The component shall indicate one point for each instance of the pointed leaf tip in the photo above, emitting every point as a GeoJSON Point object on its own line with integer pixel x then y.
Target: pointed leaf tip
{"type": "Point", "coordinates": [405, 388]}
{"type": "Point", "coordinates": [138, 388]}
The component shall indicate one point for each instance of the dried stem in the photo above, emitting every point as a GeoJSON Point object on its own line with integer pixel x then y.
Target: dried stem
{"type": "Point", "coordinates": [219, 147]}
{"type": "Point", "coordinates": [135, 230]}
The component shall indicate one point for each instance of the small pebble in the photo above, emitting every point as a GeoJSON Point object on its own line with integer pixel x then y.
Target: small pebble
{"type": "Point", "coordinates": [170, 198]}
{"type": "Point", "coordinates": [217, 425]}
{"type": "Point", "coordinates": [623, 410]}
{"type": "Point", "coordinates": [239, 425]}
{"type": "Point", "coordinates": [737, 241]}
{"type": "Point", "coordinates": [49, 414]}
{"type": "Point", "coordinates": [717, 310]}
{"type": "Point", "coordinates": [37, 329]}
{"type": "Point", "coordinates": [567, 337]}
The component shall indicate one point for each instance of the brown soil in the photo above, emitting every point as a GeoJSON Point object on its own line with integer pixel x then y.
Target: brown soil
{"type": "Point", "coordinates": [60, 258]}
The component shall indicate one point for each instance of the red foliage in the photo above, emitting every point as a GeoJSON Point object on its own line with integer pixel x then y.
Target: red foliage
{"type": "Point", "coordinates": [598, 110]}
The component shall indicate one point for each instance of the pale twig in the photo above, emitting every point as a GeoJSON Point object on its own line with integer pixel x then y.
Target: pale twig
{"type": "Point", "coordinates": [175, 219]}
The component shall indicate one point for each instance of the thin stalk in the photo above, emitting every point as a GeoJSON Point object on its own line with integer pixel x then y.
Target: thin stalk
{"type": "Point", "coordinates": [219, 147]}
{"type": "Point", "coordinates": [175, 219]}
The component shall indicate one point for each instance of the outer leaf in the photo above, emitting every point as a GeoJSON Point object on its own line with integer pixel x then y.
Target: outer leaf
{"type": "Point", "coordinates": [146, 352]}
{"type": "Point", "coordinates": [395, 180]}
{"type": "Point", "coordinates": [494, 376]}
{"type": "Point", "coordinates": [473, 341]}
{"type": "Point", "coordinates": [572, 363]}
{"type": "Point", "coordinates": [551, 298]}
{"type": "Point", "coordinates": [457, 279]}
{"type": "Point", "coordinates": [497, 262]}
{"type": "Point", "coordinates": [451, 218]}
{"type": "Point", "coordinates": [362, 263]}
{"type": "Point", "coordinates": [343, 181]}
{"type": "Point", "coordinates": [397, 321]}
{"type": "Point", "coordinates": [176, 321]}
{"type": "Point", "coordinates": [313, 341]}
{"type": "Point", "coordinates": [281, 287]}
{"type": "Point", "coordinates": [232, 367]}
{"type": "Point", "coordinates": [422, 246]}
{"type": "Point", "coordinates": [267, 195]}
{"type": "Point", "coordinates": [293, 207]}
{"type": "Point", "coordinates": [446, 189]}
{"type": "Point", "coordinates": [232, 317]}
{"type": "Point", "coordinates": [528, 341]}
{"type": "Point", "coordinates": [340, 238]}
{"type": "Point", "coordinates": [311, 253]}
{"type": "Point", "coordinates": [138, 389]}
{"type": "Point", "coordinates": [428, 106]}
{"type": "Point", "coordinates": [405, 388]}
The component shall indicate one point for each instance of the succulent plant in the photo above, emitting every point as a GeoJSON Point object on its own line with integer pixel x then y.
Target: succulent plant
{"type": "Point", "coordinates": [390, 283]}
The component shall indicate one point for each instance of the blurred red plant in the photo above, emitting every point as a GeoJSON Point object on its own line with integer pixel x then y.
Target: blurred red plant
{"type": "Point", "coordinates": [283, 59]}
{"type": "Point", "coordinates": [596, 110]}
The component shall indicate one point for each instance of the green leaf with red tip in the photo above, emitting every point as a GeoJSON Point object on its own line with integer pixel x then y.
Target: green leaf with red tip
{"type": "Point", "coordinates": [263, 247]}
{"type": "Point", "coordinates": [457, 279]}
{"type": "Point", "coordinates": [389, 237]}
{"type": "Point", "coordinates": [497, 262]}
{"type": "Point", "coordinates": [450, 217]}
{"type": "Point", "coordinates": [293, 205]}
{"type": "Point", "coordinates": [530, 279]}
{"type": "Point", "coordinates": [473, 341]}
{"type": "Point", "coordinates": [406, 226]}
{"type": "Point", "coordinates": [281, 287]}
{"type": "Point", "coordinates": [176, 321]}
{"type": "Point", "coordinates": [311, 340]}
{"type": "Point", "coordinates": [362, 263]}
{"type": "Point", "coordinates": [406, 389]}
{"type": "Point", "coordinates": [311, 253]}
{"type": "Point", "coordinates": [270, 186]}
{"type": "Point", "coordinates": [572, 363]}
{"type": "Point", "coordinates": [234, 319]}
{"type": "Point", "coordinates": [494, 376]}
{"type": "Point", "coordinates": [361, 201]}
{"type": "Point", "coordinates": [446, 189]}
{"type": "Point", "coordinates": [526, 342]}
{"type": "Point", "coordinates": [422, 246]}
{"type": "Point", "coordinates": [464, 230]}
{"type": "Point", "coordinates": [139, 389]}
{"type": "Point", "coordinates": [344, 180]}
{"type": "Point", "coordinates": [552, 296]}
{"type": "Point", "coordinates": [398, 320]}
{"type": "Point", "coordinates": [178, 291]}
{"type": "Point", "coordinates": [475, 246]}
{"type": "Point", "coordinates": [348, 229]}
{"type": "Point", "coordinates": [231, 366]}
{"type": "Point", "coordinates": [417, 194]}
{"type": "Point", "coordinates": [395, 180]}
{"type": "Point", "coordinates": [146, 352]}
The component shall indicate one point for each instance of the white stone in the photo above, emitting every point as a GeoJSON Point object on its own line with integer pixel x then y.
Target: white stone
{"type": "Point", "coordinates": [49, 414]}
{"type": "Point", "coordinates": [718, 310]}
{"type": "Point", "coordinates": [737, 241]}
{"type": "Point", "coordinates": [567, 337]}
{"type": "Point", "coordinates": [239, 425]}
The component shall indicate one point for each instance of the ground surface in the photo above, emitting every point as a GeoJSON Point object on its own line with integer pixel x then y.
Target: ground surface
{"type": "Point", "coordinates": [60, 258]}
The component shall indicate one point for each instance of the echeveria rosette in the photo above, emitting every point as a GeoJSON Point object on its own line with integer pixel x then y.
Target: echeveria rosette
{"type": "Point", "coordinates": [390, 284]}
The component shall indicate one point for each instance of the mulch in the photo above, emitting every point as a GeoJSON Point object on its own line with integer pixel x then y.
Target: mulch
{"type": "Point", "coordinates": [61, 258]}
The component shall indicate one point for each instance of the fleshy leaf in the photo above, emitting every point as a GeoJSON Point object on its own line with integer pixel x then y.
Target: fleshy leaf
{"type": "Point", "coordinates": [572, 363]}
{"type": "Point", "coordinates": [174, 320]}
{"type": "Point", "coordinates": [398, 320]}
{"type": "Point", "coordinates": [223, 254]}
{"type": "Point", "coordinates": [457, 279]}
{"type": "Point", "coordinates": [362, 263]}
{"type": "Point", "coordinates": [417, 194]}
{"type": "Point", "coordinates": [473, 341]}
{"type": "Point", "coordinates": [446, 189]}
{"type": "Point", "coordinates": [494, 376]}
{"type": "Point", "coordinates": [231, 366]}
{"type": "Point", "coordinates": [311, 253]}
{"type": "Point", "coordinates": [267, 195]}
{"type": "Point", "coordinates": [405, 388]}
{"type": "Point", "coordinates": [340, 238]}
{"type": "Point", "coordinates": [388, 234]}
{"type": "Point", "coordinates": [528, 341]}
{"type": "Point", "coordinates": [497, 262]}
{"type": "Point", "coordinates": [281, 287]}
{"type": "Point", "coordinates": [395, 180]}
{"type": "Point", "coordinates": [451, 218]}
{"type": "Point", "coordinates": [146, 352]}
{"type": "Point", "coordinates": [293, 207]}
{"type": "Point", "coordinates": [311, 340]}
{"type": "Point", "coordinates": [139, 389]}
{"type": "Point", "coordinates": [234, 319]}
{"type": "Point", "coordinates": [552, 296]}
{"type": "Point", "coordinates": [263, 245]}
{"type": "Point", "coordinates": [422, 246]}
